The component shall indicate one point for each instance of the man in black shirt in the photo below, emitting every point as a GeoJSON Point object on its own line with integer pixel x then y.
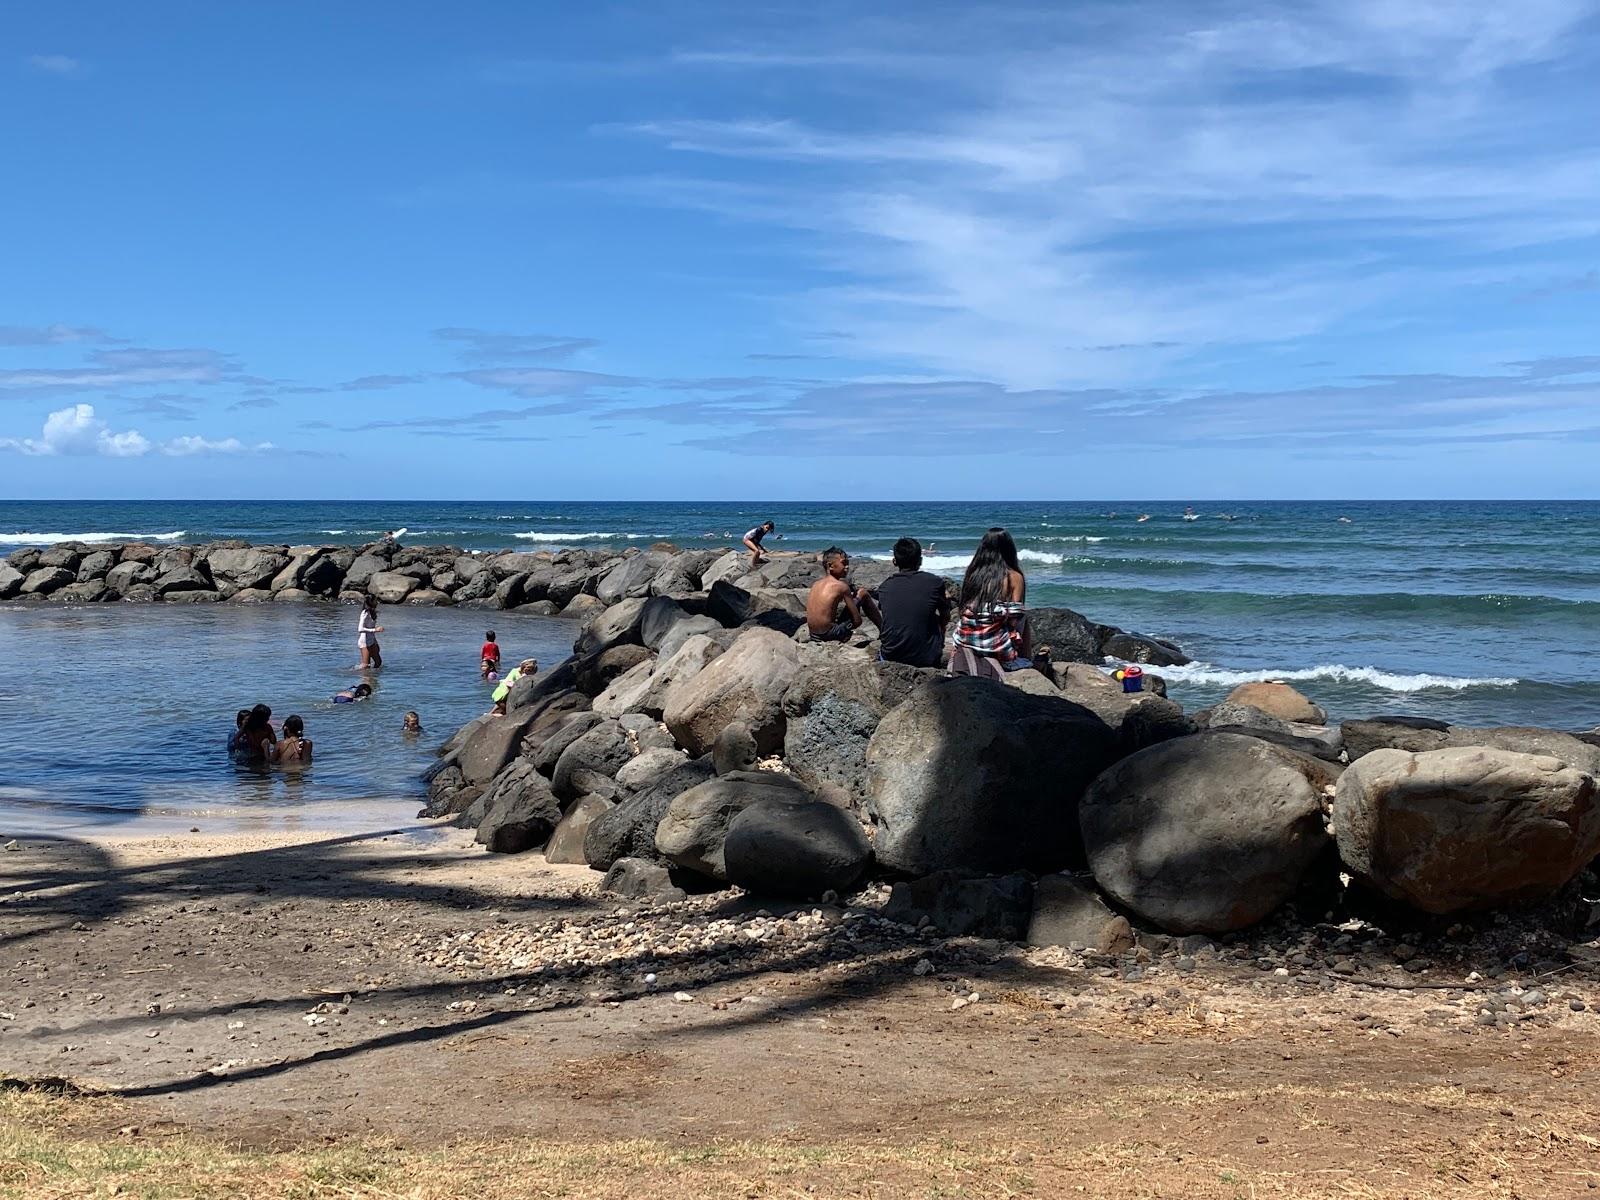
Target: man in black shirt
{"type": "Point", "coordinates": [915, 608]}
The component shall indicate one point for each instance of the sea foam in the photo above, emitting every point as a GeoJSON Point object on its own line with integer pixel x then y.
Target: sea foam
{"type": "Point", "coordinates": [50, 539]}
{"type": "Point", "coordinates": [1389, 681]}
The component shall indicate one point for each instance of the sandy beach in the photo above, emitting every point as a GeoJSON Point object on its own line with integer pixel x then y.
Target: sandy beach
{"type": "Point", "coordinates": [259, 997]}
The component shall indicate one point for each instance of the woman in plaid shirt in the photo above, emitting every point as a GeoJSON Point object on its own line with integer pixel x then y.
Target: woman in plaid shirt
{"type": "Point", "coordinates": [994, 622]}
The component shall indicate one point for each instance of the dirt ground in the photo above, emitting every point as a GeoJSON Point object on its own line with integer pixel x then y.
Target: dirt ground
{"type": "Point", "coordinates": [195, 1014]}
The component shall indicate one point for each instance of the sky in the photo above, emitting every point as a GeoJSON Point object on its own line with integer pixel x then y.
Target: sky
{"type": "Point", "coordinates": [665, 250]}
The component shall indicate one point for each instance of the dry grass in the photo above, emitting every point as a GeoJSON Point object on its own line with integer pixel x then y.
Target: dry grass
{"type": "Point", "coordinates": [58, 1143]}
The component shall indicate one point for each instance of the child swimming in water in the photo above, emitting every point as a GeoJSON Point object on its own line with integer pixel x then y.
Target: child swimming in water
{"type": "Point", "coordinates": [412, 726]}
{"type": "Point", "coordinates": [489, 656]}
{"type": "Point", "coordinates": [350, 695]}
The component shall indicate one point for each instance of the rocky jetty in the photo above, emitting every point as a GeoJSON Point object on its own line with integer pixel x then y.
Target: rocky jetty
{"type": "Point", "coordinates": [697, 740]}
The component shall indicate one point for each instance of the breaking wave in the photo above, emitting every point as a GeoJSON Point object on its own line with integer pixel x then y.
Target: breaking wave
{"type": "Point", "coordinates": [1389, 681]}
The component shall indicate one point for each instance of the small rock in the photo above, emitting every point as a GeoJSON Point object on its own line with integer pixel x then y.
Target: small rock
{"type": "Point", "coordinates": [1185, 963]}
{"type": "Point", "coordinates": [1343, 966]}
{"type": "Point", "coordinates": [683, 997]}
{"type": "Point", "coordinates": [1282, 972]}
{"type": "Point", "coordinates": [1576, 1005]}
{"type": "Point", "coordinates": [923, 967]}
{"type": "Point", "coordinates": [1404, 953]}
{"type": "Point", "coordinates": [1532, 999]}
{"type": "Point", "coordinates": [13, 844]}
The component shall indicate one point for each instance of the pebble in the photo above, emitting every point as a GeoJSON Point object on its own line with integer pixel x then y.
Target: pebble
{"type": "Point", "coordinates": [13, 845]}
{"type": "Point", "coordinates": [1185, 963]}
{"type": "Point", "coordinates": [683, 997]}
{"type": "Point", "coordinates": [1576, 1005]}
{"type": "Point", "coordinates": [1532, 999]}
{"type": "Point", "coordinates": [1343, 966]}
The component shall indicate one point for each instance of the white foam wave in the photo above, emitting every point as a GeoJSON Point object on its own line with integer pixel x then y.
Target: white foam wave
{"type": "Point", "coordinates": [540, 535]}
{"type": "Point", "coordinates": [49, 539]}
{"type": "Point", "coordinates": [1038, 556]}
{"type": "Point", "coordinates": [1389, 681]}
{"type": "Point", "coordinates": [334, 531]}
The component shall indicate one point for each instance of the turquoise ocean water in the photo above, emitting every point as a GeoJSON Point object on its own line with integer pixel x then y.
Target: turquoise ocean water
{"type": "Point", "coordinates": [1483, 613]}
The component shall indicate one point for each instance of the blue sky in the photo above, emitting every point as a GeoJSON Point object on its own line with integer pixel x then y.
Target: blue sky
{"type": "Point", "coordinates": [670, 250]}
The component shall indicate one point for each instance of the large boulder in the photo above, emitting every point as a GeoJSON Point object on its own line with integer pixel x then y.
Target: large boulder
{"type": "Point", "coordinates": [245, 568]}
{"type": "Point", "coordinates": [1140, 718]}
{"type": "Point", "coordinates": [629, 830]}
{"type": "Point", "coordinates": [640, 879]}
{"type": "Point", "coordinates": [572, 581]}
{"type": "Point", "coordinates": [627, 691]}
{"type": "Point", "coordinates": [323, 576]}
{"type": "Point", "coordinates": [493, 744]}
{"type": "Point", "coordinates": [361, 571]}
{"type": "Point", "coordinates": [971, 774]}
{"type": "Point", "coordinates": [1278, 700]}
{"type": "Point", "coordinates": [681, 574]}
{"type": "Point", "coordinates": [1207, 833]}
{"type": "Point", "coordinates": [11, 581]}
{"type": "Point", "coordinates": [745, 683]}
{"type": "Point", "coordinates": [391, 587]}
{"type": "Point", "coordinates": [795, 849]}
{"type": "Point", "coordinates": [544, 746]}
{"type": "Point", "coordinates": [594, 672]}
{"type": "Point", "coordinates": [1398, 732]}
{"type": "Point", "coordinates": [182, 579]}
{"type": "Point", "coordinates": [566, 842]}
{"type": "Point", "coordinates": [958, 904]}
{"type": "Point", "coordinates": [831, 710]}
{"type": "Point", "coordinates": [1140, 648]}
{"type": "Point", "coordinates": [648, 766]}
{"type": "Point", "coordinates": [729, 566]}
{"type": "Point", "coordinates": [656, 619]}
{"type": "Point", "coordinates": [1068, 912]}
{"type": "Point", "coordinates": [615, 626]}
{"type": "Point", "coordinates": [1466, 827]}
{"type": "Point", "coordinates": [41, 581]}
{"type": "Point", "coordinates": [728, 603]}
{"type": "Point", "coordinates": [591, 762]}
{"type": "Point", "coordinates": [126, 574]}
{"type": "Point", "coordinates": [520, 812]}
{"type": "Point", "coordinates": [97, 565]}
{"type": "Point", "coordinates": [631, 577]}
{"type": "Point", "coordinates": [1071, 636]}
{"type": "Point", "coordinates": [692, 829]}
{"type": "Point", "coordinates": [67, 557]}
{"type": "Point", "coordinates": [695, 626]}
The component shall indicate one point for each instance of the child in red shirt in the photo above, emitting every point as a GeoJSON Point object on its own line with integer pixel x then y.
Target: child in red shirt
{"type": "Point", "coordinates": [490, 656]}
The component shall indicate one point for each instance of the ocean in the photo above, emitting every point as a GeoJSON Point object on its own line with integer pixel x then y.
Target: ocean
{"type": "Point", "coordinates": [1475, 613]}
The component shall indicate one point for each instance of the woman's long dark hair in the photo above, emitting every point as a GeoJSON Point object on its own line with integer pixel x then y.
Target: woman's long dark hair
{"type": "Point", "coordinates": [370, 604]}
{"type": "Point", "coordinates": [984, 584]}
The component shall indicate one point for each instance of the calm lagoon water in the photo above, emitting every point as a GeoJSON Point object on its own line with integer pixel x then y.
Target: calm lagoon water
{"type": "Point", "coordinates": [116, 711]}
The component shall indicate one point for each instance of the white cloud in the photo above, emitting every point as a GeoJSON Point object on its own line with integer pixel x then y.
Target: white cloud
{"type": "Point", "coordinates": [188, 445]}
{"type": "Point", "coordinates": [77, 431]}
{"type": "Point", "coordinates": [56, 64]}
{"type": "Point", "coordinates": [1125, 174]}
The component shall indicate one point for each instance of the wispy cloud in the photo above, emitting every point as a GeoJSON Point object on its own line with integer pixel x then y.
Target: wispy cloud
{"type": "Point", "coordinates": [62, 65]}
{"type": "Point", "coordinates": [484, 346]}
{"type": "Point", "coordinates": [52, 335]}
{"type": "Point", "coordinates": [122, 368]}
{"type": "Point", "coordinates": [1102, 182]}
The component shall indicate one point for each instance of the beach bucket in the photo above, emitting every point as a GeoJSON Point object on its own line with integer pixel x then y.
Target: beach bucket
{"type": "Point", "coordinates": [1132, 678]}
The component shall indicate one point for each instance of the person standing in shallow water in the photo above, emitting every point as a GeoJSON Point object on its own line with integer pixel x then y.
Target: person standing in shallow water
{"type": "Point", "coordinates": [367, 631]}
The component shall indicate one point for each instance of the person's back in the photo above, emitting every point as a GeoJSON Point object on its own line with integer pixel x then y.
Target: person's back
{"type": "Point", "coordinates": [915, 609]}
{"type": "Point", "coordinates": [294, 750]}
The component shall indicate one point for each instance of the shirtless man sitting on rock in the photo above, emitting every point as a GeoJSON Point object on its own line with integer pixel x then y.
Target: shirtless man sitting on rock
{"type": "Point", "coordinates": [827, 594]}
